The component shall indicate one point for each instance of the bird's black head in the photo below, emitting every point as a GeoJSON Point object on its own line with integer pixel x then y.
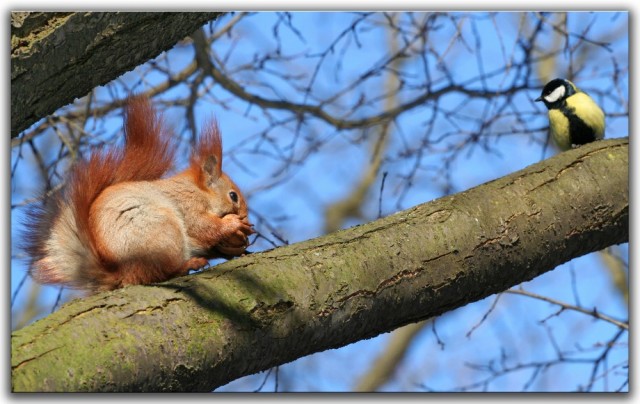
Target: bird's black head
{"type": "Point", "coordinates": [555, 92]}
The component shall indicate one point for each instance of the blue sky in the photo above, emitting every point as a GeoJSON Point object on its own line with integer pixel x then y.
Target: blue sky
{"type": "Point", "coordinates": [313, 180]}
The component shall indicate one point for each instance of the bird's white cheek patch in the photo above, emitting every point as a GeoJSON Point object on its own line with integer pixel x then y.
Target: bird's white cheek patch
{"type": "Point", "coordinates": [555, 94]}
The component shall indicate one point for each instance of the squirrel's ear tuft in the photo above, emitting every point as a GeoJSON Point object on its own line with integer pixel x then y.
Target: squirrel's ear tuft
{"type": "Point", "coordinates": [211, 169]}
{"type": "Point", "coordinates": [210, 143]}
{"type": "Point", "coordinates": [206, 159]}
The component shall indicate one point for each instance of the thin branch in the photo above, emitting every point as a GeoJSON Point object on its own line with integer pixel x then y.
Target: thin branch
{"type": "Point", "coordinates": [566, 306]}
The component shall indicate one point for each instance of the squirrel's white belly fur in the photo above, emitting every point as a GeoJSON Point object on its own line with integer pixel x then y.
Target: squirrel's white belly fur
{"type": "Point", "coordinates": [138, 221]}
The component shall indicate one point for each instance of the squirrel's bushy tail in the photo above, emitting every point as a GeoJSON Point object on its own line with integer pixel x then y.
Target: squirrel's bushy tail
{"type": "Point", "coordinates": [59, 239]}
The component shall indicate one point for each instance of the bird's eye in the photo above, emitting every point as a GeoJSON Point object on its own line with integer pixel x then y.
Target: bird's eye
{"type": "Point", "coordinates": [233, 196]}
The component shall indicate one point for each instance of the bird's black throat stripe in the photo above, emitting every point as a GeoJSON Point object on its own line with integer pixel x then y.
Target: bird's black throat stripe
{"type": "Point", "coordinates": [580, 132]}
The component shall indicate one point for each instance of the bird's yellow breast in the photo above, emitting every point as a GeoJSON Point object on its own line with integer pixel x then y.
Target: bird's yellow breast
{"type": "Point", "coordinates": [559, 125]}
{"type": "Point", "coordinates": [588, 111]}
{"type": "Point", "coordinates": [579, 114]}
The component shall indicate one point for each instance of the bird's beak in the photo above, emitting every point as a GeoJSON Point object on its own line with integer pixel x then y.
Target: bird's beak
{"type": "Point", "coordinates": [538, 99]}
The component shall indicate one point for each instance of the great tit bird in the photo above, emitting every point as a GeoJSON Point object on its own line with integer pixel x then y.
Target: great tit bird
{"type": "Point", "coordinates": [574, 118]}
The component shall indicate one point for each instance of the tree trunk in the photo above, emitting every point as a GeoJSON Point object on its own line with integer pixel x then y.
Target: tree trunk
{"type": "Point", "coordinates": [57, 57]}
{"type": "Point", "coordinates": [201, 331]}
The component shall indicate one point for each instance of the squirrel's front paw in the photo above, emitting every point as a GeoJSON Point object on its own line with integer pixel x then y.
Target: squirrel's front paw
{"type": "Point", "coordinates": [236, 242]}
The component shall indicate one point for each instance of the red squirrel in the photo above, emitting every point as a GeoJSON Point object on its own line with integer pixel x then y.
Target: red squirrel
{"type": "Point", "coordinates": [117, 222]}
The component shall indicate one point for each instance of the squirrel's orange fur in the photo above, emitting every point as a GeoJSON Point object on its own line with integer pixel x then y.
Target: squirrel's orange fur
{"type": "Point", "coordinates": [118, 222]}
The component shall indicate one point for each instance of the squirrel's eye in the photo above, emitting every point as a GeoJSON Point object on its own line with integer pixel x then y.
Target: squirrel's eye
{"type": "Point", "coordinates": [233, 196]}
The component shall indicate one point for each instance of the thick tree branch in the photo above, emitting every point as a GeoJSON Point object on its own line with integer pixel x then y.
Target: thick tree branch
{"type": "Point", "coordinates": [57, 57]}
{"type": "Point", "coordinates": [265, 309]}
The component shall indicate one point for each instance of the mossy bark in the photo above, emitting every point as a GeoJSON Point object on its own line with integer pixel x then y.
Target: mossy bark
{"type": "Point", "coordinates": [57, 57]}
{"type": "Point", "coordinates": [201, 331]}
